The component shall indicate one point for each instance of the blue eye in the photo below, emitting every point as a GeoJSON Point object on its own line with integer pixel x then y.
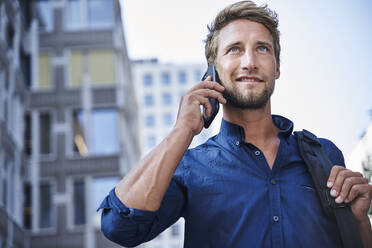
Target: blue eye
{"type": "Point", "coordinates": [263, 49]}
{"type": "Point", "coordinates": [234, 49]}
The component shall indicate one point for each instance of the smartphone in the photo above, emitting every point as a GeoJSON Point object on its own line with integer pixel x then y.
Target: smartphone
{"type": "Point", "coordinates": [211, 71]}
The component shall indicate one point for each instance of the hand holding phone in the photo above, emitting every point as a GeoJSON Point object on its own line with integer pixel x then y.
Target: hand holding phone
{"type": "Point", "coordinates": [211, 71]}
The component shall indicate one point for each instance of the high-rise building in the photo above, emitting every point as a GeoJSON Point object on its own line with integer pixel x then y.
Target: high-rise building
{"type": "Point", "coordinates": [16, 34]}
{"type": "Point", "coordinates": [159, 88]}
{"type": "Point", "coordinates": [68, 119]}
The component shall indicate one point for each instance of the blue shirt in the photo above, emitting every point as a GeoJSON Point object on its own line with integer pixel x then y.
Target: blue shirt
{"type": "Point", "coordinates": [230, 197]}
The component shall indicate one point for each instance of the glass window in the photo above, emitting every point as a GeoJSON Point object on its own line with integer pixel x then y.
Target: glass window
{"type": "Point", "coordinates": [106, 142]}
{"type": "Point", "coordinates": [76, 68]}
{"type": "Point", "coordinates": [100, 13]}
{"type": "Point", "coordinates": [147, 79]}
{"type": "Point", "coordinates": [80, 144]}
{"type": "Point", "coordinates": [167, 118]}
{"type": "Point", "coordinates": [79, 203]}
{"type": "Point", "coordinates": [27, 135]}
{"type": "Point", "coordinates": [46, 211]}
{"type": "Point", "coordinates": [101, 187]}
{"type": "Point", "coordinates": [180, 94]}
{"type": "Point", "coordinates": [45, 77]}
{"type": "Point", "coordinates": [182, 77]}
{"type": "Point", "coordinates": [167, 98]}
{"type": "Point", "coordinates": [45, 12]}
{"type": "Point", "coordinates": [165, 78]}
{"type": "Point", "coordinates": [73, 14]}
{"type": "Point", "coordinates": [45, 133]}
{"type": "Point", "coordinates": [151, 141]}
{"type": "Point", "coordinates": [27, 206]}
{"type": "Point", "coordinates": [198, 75]}
{"type": "Point", "coordinates": [149, 100]}
{"type": "Point", "coordinates": [101, 67]}
{"type": "Point", "coordinates": [150, 121]}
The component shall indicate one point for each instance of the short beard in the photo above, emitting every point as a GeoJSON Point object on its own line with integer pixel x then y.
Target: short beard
{"type": "Point", "coordinates": [251, 102]}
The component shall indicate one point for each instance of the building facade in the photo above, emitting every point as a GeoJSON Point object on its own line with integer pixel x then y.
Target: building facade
{"type": "Point", "coordinates": [15, 43]}
{"type": "Point", "coordinates": [360, 159]}
{"type": "Point", "coordinates": [159, 88]}
{"type": "Point", "coordinates": [68, 120]}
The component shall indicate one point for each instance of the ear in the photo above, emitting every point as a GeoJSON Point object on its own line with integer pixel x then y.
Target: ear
{"type": "Point", "coordinates": [277, 71]}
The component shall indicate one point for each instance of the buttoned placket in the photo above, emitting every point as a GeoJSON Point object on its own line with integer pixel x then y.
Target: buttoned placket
{"type": "Point", "coordinates": [274, 194]}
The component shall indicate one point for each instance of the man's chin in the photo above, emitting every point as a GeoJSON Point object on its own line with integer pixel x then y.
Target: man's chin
{"type": "Point", "coordinates": [246, 104]}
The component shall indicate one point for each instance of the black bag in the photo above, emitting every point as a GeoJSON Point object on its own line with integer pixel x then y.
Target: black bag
{"type": "Point", "coordinates": [319, 167]}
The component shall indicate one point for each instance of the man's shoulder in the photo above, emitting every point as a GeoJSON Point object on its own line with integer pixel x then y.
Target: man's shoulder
{"type": "Point", "coordinates": [203, 151]}
{"type": "Point", "coordinates": [332, 151]}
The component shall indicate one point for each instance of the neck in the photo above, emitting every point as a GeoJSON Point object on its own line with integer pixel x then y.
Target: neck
{"type": "Point", "coordinates": [257, 123]}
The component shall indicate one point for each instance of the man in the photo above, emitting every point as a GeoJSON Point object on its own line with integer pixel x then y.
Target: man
{"type": "Point", "coordinates": [247, 186]}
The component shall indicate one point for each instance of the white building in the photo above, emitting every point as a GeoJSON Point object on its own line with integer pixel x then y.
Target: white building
{"type": "Point", "coordinates": [358, 158]}
{"type": "Point", "coordinates": [159, 88]}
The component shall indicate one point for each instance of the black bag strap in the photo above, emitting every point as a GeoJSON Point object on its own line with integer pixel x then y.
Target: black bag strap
{"type": "Point", "coordinates": [320, 167]}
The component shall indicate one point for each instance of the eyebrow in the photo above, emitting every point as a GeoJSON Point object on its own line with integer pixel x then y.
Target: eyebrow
{"type": "Point", "coordinates": [265, 43]}
{"type": "Point", "coordinates": [232, 44]}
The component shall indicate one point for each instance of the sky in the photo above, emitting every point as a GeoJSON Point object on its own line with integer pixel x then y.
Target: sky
{"type": "Point", "coordinates": [325, 84]}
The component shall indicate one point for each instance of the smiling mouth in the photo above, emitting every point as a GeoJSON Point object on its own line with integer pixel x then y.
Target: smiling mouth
{"type": "Point", "coordinates": [249, 80]}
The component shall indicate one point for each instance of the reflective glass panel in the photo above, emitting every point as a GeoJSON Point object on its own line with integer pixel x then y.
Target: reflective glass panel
{"type": "Point", "coordinates": [76, 68]}
{"type": "Point", "coordinates": [45, 11]}
{"type": "Point", "coordinates": [105, 138]}
{"type": "Point", "coordinates": [73, 14]}
{"type": "Point", "coordinates": [44, 71]}
{"type": "Point", "coordinates": [46, 210]}
{"type": "Point", "coordinates": [100, 13]}
{"type": "Point", "coordinates": [101, 187]}
{"type": "Point", "coordinates": [79, 202]}
{"type": "Point", "coordinates": [101, 67]}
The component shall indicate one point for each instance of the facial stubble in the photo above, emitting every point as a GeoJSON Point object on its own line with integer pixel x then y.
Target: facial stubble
{"type": "Point", "coordinates": [252, 100]}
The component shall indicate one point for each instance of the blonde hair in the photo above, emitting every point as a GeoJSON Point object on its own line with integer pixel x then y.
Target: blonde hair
{"type": "Point", "coordinates": [242, 10]}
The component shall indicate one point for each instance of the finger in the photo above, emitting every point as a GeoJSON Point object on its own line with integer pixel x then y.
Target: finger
{"type": "Point", "coordinates": [205, 103]}
{"type": "Point", "coordinates": [209, 78]}
{"type": "Point", "coordinates": [332, 176]}
{"type": "Point", "coordinates": [212, 94]}
{"type": "Point", "coordinates": [357, 190]}
{"type": "Point", "coordinates": [207, 85]}
{"type": "Point", "coordinates": [349, 182]}
{"type": "Point", "coordinates": [338, 183]}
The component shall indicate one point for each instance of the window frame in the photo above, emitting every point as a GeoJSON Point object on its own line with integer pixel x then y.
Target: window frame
{"type": "Point", "coordinates": [51, 28]}
{"type": "Point", "coordinates": [85, 23]}
{"type": "Point", "coordinates": [53, 186]}
{"type": "Point", "coordinates": [52, 86]}
{"type": "Point", "coordinates": [70, 153]}
{"type": "Point", "coordinates": [53, 140]}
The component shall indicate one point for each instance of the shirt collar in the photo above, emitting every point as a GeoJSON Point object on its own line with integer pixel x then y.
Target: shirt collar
{"type": "Point", "coordinates": [236, 132]}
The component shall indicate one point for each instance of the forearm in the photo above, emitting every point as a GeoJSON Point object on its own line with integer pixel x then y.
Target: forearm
{"type": "Point", "coordinates": [366, 233]}
{"type": "Point", "coordinates": [144, 187]}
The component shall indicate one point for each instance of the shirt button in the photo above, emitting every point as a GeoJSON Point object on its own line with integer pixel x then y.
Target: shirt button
{"type": "Point", "coordinates": [257, 153]}
{"type": "Point", "coordinates": [273, 181]}
{"type": "Point", "coordinates": [237, 143]}
{"type": "Point", "coordinates": [276, 218]}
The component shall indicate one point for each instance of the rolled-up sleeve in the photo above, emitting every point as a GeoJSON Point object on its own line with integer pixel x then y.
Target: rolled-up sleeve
{"type": "Point", "coordinates": [130, 227]}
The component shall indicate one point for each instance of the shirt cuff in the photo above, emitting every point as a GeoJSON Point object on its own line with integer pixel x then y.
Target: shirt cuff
{"type": "Point", "coordinates": [112, 202]}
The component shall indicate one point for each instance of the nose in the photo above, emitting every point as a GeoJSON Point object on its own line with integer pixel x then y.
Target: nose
{"type": "Point", "coordinates": [248, 61]}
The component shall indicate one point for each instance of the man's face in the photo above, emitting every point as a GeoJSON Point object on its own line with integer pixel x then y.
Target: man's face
{"type": "Point", "coordinates": [246, 64]}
